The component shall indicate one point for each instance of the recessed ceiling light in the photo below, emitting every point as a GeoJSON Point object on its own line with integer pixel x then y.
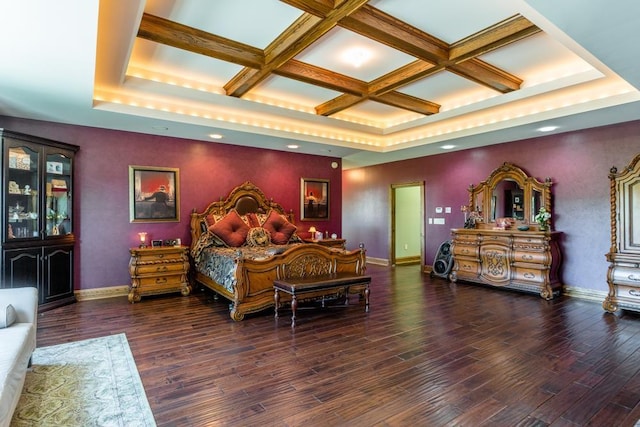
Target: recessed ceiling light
{"type": "Point", "coordinates": [547, 128]}
{"type": "Point", "coordinates": [215, 136]}
{"type": "Point", "coordinates": [448, 147]}
{"type": "Point", "coordinates": [356, 56]}
{"type": "Point", "coordinates": [293, 146]}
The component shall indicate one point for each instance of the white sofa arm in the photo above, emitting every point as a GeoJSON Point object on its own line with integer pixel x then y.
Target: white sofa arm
{"type": "Point", "coordinates": [25, 302]}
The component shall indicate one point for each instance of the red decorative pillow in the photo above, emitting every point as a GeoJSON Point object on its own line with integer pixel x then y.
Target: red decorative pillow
{"type": "Point", "coordinates": [231, 229]}
{"type": "Point", "coordinates": [280, 229]}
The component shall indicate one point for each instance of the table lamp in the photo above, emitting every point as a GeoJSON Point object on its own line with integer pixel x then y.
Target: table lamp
{"type": "Point", "coordinates": [143, 239]}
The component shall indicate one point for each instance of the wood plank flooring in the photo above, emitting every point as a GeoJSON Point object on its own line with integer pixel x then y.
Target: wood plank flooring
{"type": "Point", "coordinates": [428, 353]}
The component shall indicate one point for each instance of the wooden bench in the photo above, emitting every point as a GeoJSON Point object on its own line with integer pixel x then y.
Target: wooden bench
{"type": "Point", "coordinates": [319, 286]}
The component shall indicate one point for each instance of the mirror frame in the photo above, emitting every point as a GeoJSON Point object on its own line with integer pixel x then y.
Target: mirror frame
{"type": "Point", "coordinates": [509, 171]}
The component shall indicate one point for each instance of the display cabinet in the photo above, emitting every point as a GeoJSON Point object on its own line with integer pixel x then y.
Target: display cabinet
{"type": "Point", "coordinates": [623, 275]}
{"type": "Point", "coordinates": [37, 217]}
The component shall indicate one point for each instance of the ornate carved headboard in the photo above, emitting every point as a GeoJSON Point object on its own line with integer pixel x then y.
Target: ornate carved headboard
{"type": "Point", "coordinates": [245, 198]}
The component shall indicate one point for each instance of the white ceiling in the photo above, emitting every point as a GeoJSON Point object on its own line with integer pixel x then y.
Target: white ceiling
{"type": "Point", "coordinates": [80, 62]}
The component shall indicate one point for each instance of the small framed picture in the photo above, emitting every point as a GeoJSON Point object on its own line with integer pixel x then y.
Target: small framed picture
{"type": "Point", "coordinates": [54, 167]}
{"type": "Point", "coordinates": [156, 243]}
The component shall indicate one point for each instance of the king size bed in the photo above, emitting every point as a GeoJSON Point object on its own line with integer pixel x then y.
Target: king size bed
{"type": "Point", "coordinates": [240, 245]}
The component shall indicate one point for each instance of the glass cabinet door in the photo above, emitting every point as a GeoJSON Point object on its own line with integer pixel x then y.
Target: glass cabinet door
{"type": "Point", "coordinates": [58, 195]}
{"type": "Point", "coordinates": [22, 189]}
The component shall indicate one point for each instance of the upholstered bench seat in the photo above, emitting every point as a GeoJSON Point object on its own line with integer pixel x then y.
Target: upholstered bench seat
{"type": "Point", "coordinates": [320, 286]}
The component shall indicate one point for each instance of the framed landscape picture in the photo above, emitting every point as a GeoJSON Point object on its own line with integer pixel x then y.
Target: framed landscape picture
{"type": "Point", "coordinates": [153, 194]}
{"type": "Point", "coordinates": [314, 199]}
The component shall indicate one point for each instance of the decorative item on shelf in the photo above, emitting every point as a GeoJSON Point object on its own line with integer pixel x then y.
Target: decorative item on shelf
{"type": "Point", "coordinates": [157, 243]}
{"type": "Point", "coordinates": [465, 210]}
{"type": "Point", "coordinates": [504, 223]}
{"type": "Point", "coordinates": [542, 218]}
{"type": "Point", "coordinates": [474, 216]}
{"type": "Point", "coordinates": [523, 227]}
{"type": "Point", "coordinates": [312, 232]}
{"type": "Point", "coordinates": [14, 188]}
{"type": "Point", "coordinates": [334, 236]}
{"type": "Point", "coordinates": [143, 239]}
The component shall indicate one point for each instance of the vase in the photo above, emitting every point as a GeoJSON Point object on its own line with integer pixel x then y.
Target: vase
{"type": "Point", "coordinates": [543, 227]}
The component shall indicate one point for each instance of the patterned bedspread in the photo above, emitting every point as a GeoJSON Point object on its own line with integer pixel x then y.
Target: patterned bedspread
{"type": "Point", "coordinates": [220, 263]}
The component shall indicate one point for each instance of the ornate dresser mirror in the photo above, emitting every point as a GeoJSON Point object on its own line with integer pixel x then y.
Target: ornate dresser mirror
{"type": "Point", "coordinates": [509, 193]}
{"type": "Point", "coordinates": [624, 271]}
{"type": "Point", "coordinates": [505, 246]}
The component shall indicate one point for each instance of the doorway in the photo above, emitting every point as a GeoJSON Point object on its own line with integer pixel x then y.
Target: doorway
{"type": "Point", "coordinates": [407, 223]}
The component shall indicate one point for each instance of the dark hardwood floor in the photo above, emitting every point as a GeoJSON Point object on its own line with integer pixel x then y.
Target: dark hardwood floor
{"type": "Point", "coordinates": [429, 353]}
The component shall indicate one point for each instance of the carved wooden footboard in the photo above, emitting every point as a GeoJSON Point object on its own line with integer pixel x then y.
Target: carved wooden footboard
{"type": "Point", "coordinates": [254, 286]}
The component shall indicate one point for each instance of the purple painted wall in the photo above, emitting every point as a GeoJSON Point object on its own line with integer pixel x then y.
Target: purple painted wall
{"type": "Point", "coordinates": [208, 171]}
{"type": "Point", "coordinates": [577, 162]}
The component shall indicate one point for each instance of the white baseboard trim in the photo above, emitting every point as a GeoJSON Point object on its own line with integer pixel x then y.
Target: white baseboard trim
{"type": "Point", "coordinates": [378, 261]}
{"type": "Point", "coordinates": [99, 293]}
{"type": "Point", "coordinates": [121, 291]}
{"type": "Point", "coordinates": [586, 294]}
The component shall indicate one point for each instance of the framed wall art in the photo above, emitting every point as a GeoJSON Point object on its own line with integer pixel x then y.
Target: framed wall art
{"type": "Point", "coordinates": [314, 199]}
{"type": "Point", "coordinates": [154, 194]}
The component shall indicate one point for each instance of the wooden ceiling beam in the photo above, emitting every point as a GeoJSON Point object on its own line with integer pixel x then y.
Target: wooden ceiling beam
{"type": "Point", "coordinates": [319, 8]}
{"type": "Point", "coordinates": [191, 39]}
{"type": "Point", "coordinates": [337, 104]}
{"type": "Point", "coordinates": [317, 76]}
{"type": "Point", "coordinates": [487, 75]}
{"type": "Point", "coordinates": [300, 35]}
{"type": "Point", "coordinates": [499, 35]}
{"type": "Point", "coordinates": [407, 102]}
{"type": "Point", "coordinates": [377, 25]}
{"type": "Point", "coordinates": [416, 70]}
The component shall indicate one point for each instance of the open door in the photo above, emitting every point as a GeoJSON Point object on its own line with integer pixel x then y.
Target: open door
{"type": "Point", "coordinates": [407, 223]}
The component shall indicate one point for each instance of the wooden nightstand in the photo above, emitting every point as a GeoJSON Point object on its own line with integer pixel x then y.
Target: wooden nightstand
{"type": "Point", "coordinates": [332, 243]}
{"type": "Point", "coordinates": [158, 270]}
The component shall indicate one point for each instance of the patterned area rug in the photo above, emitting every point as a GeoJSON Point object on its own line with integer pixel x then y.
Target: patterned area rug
{"type": "Point", "coordinates": [93, 382]}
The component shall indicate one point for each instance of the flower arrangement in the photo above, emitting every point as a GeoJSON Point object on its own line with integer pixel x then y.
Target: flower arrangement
{"type": "Point", "coordinates": [542, 218]}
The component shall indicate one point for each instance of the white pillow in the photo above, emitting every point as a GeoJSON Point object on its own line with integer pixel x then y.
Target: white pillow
{"type": "Point", "coordinates": [7, 316]}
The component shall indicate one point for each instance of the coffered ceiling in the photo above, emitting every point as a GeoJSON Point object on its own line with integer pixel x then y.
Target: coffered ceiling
{"type": "Point", "coordinates": [369, 81]}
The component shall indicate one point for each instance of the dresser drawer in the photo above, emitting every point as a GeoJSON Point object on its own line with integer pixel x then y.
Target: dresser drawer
{"type": "Point", "coordinates": [465, 250]}
{"type": "Point", "coordinates": [524, 274]}
{"type": "Point", "coordinates": [465, 238]}
{"type": "Point", "coordinates": [158, 268]}
{"type": "Point", "coordinates": [628, 293]}
{"type": "Point", "coordinates": [496, 239]}
{"type": "Point", "coordinates": [531, 257]}
{"type": "Point", "coordinates": [150, 258]}
{"type": "Point", "coordinates": [467, 266]}
{"type": "Point", "coordinates": [529, 244]}
{"type": "Point", "coordinates": [165, 280]}
{"type": "Point", "coordinates": [626, 276]}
